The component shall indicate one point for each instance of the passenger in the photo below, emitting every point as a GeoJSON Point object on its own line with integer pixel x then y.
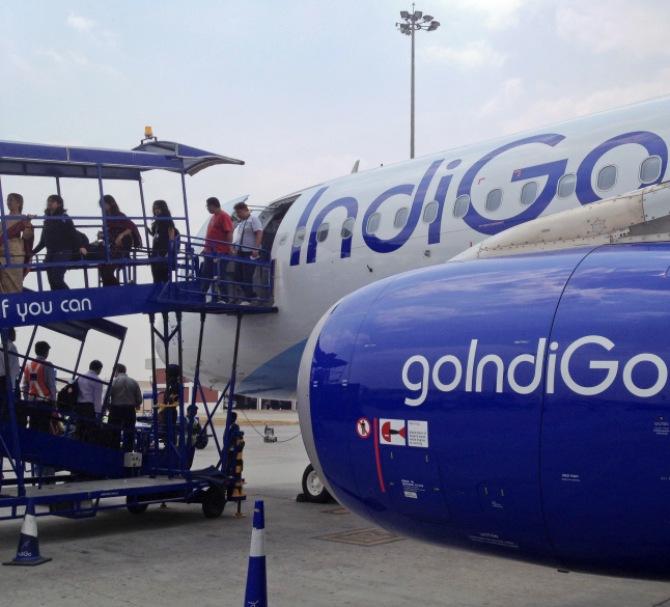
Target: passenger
{"type": "Point", "coordinates": [60, 239]}
{"type": "Point", "coordinates": [164, 232]}
{"type": "Point", "coordinates": [12, 377]}
{"type": "Point", "coordinates": [217, 242]}
{"type": "Point", "coordinates": [248, 233]}
{"type": "Point", "coordinates": [20, 239]}
{"type": "Point", "coordinates": [39, 386]}
{"type": "Point", "coordinates": [123, 235]}
{"type": "Point", "coordinates": [125, 399]}
{"type": "Point", "coordinates": [89, 402]}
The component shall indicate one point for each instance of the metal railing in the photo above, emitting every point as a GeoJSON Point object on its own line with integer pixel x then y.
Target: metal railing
{"type": "Point", "coordinates": [217, 272]}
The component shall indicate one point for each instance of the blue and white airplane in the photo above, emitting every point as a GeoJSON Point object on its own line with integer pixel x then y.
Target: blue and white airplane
{"type": "Point", "coordinates": [515, 399]}
{"type": "Point", "coordinates": [333, 238]}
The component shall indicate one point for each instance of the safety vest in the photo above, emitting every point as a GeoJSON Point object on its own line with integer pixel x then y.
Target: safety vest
{"type": "Point", "coordinates": [35, 377]}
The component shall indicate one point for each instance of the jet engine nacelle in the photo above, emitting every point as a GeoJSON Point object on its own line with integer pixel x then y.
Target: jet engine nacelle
{"type": "Point", "coordinates": [515, 404]}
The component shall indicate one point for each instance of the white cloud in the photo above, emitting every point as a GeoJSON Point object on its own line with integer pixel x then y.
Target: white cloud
{"type": "Point", "coordinates": [620, 26]}
{"type": "Point", "coordinates": [69, 59]}
{"type": "Point", "coordinates": [496, 14]}
{"type": "Point", "coordinates": [514, 115]}
{"type": "Point", "coordinates": [511, 92]}
{"type": "Point", "coordinates": [473, 55]}
{"type": "Point", "coordinates": [79, 23]}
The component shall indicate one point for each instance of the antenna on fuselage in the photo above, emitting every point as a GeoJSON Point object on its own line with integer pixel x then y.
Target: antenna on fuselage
{"type": "Point", "coordinates": [355, 167]}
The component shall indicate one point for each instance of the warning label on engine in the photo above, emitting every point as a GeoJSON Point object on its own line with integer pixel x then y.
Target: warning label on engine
{"type": "Point", "coordinates": [417, 433]}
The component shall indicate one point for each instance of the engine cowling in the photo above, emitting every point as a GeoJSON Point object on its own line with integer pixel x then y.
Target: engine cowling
{"type": "Point", "coordinates": [515, 404]}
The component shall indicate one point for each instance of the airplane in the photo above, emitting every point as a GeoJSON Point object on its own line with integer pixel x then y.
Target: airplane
{"type": "Point", "coordinates": [335, 237]}
{"type": "Point", "coordinates": [514, 400]}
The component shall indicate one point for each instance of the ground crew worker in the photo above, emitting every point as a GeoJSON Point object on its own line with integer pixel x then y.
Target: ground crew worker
{"type": "Point", "coordinates": [125, 399]}
{"type": "Point", "coordinates": [39, 384]}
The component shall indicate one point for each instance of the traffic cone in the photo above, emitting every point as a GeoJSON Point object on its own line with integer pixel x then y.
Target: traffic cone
{"type": "Point", "coordinates": [28, 552]}
{"type": "Point", "coordinates": [256, 594]}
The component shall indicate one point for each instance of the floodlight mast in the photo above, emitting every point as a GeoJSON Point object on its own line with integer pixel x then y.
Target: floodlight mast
{"type": "Point", "coordinates": [413, 22]}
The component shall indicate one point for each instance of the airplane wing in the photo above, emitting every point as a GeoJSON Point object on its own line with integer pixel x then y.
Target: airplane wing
{"type": "Point", "coordinates": [640, 216]}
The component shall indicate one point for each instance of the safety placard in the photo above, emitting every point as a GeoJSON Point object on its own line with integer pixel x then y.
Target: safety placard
{"type": "Point", "coordinates": [392, 432]}
{"type": "Point", "coordinates": [417, 433]}
{"type": "Point", "coordinates": [363, 428]}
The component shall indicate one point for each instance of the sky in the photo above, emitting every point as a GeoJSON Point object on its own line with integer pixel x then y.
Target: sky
{"type": "Point", "coordinates": [301, 89]}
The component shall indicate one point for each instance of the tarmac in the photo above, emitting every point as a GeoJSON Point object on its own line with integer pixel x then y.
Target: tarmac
{"type": "Point", "coordinates": [175, 556]}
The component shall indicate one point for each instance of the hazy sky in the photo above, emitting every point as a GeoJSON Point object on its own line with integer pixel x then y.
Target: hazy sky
{"type": "Point", "coordinates": [301, 89]}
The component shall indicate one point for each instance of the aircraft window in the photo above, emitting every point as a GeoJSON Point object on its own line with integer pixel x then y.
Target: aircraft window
{"type": "Point", "coordinates": [348, 228]}
{"type": "Point", "coordinates": [650, 170]}
{"type": "Point", "coordinates": [607, 177]}
{"type": "Point", "coordinates": [401, 217]}
{"type": "Point", "coordinates": [430, 212]}
{"type": "Point", "coordinates": [494, 200]}
{"type": "Point", "coordinates": [529, 193]}
{"type": "Point", "coordinates": [461, 205]}
{"type": "Point", "coordinates": [322, 232]}
{"type": "Point", "coordinates": [299, 237]}
{"type": "Point", "coordinates": [373, 223]}
{"type": "Point", "coordinates": [567, 185]}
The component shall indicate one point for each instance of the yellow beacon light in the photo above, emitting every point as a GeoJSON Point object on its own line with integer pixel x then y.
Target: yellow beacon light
{"type": "Point", "coordinates": [148, 132]}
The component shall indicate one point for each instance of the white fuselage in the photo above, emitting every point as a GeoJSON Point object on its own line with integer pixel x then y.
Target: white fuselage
{"type": "Point", "coordinates": [313, 272]}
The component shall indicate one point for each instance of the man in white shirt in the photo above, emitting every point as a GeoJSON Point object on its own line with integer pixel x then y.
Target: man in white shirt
{"type": "Point", "coordinates": [89, 401]}
{"type": "Point", "coordinates": [247, 238]}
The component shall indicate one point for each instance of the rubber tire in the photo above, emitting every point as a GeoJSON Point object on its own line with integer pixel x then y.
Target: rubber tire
{"type": "Point", "coordinates": [312, 487]}
{"type": "Point", "coordinates": [134, 507]}
{"type": "Point", "coordinates": [213, 503]}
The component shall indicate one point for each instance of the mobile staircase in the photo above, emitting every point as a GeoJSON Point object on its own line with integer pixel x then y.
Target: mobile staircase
{"type": "Point", "coordinates": [56, 471]}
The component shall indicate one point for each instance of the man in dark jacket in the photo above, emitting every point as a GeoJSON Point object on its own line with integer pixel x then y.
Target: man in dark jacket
{"type": "Point", "coordinates": [60, 239]}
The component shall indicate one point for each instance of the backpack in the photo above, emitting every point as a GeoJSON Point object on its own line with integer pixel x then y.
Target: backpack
{"type": "Point", "coordinates": [67, 397]}
{"type": "Point", "coordinates": [137, 239]}
{"type": "Point", "coordinates": [83, 239]}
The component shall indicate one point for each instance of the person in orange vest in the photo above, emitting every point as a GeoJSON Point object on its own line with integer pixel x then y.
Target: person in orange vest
{"type": "Point", "coordinates": [39, 384]}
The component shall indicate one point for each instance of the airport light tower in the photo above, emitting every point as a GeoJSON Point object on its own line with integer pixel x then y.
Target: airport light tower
{"type": "Point", "coordinates": [410, 24]}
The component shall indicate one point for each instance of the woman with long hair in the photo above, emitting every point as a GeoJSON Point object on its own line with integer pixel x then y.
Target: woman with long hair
{"type": "Point", "coordinates": [20, 242]}
{"type": "Point", "coordinates": [122, 235]}
{"type": "Point", "coordinates": [164, 233]}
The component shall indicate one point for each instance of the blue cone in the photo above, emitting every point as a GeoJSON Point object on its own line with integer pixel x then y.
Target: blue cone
{"type": "Point", "coordinates": [28, 552]}
{"type": "Point", "coordinates": [256, 594]}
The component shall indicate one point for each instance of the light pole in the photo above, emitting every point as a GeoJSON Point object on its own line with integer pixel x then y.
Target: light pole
{"type": "Point", "coordinates": [411, 23]}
